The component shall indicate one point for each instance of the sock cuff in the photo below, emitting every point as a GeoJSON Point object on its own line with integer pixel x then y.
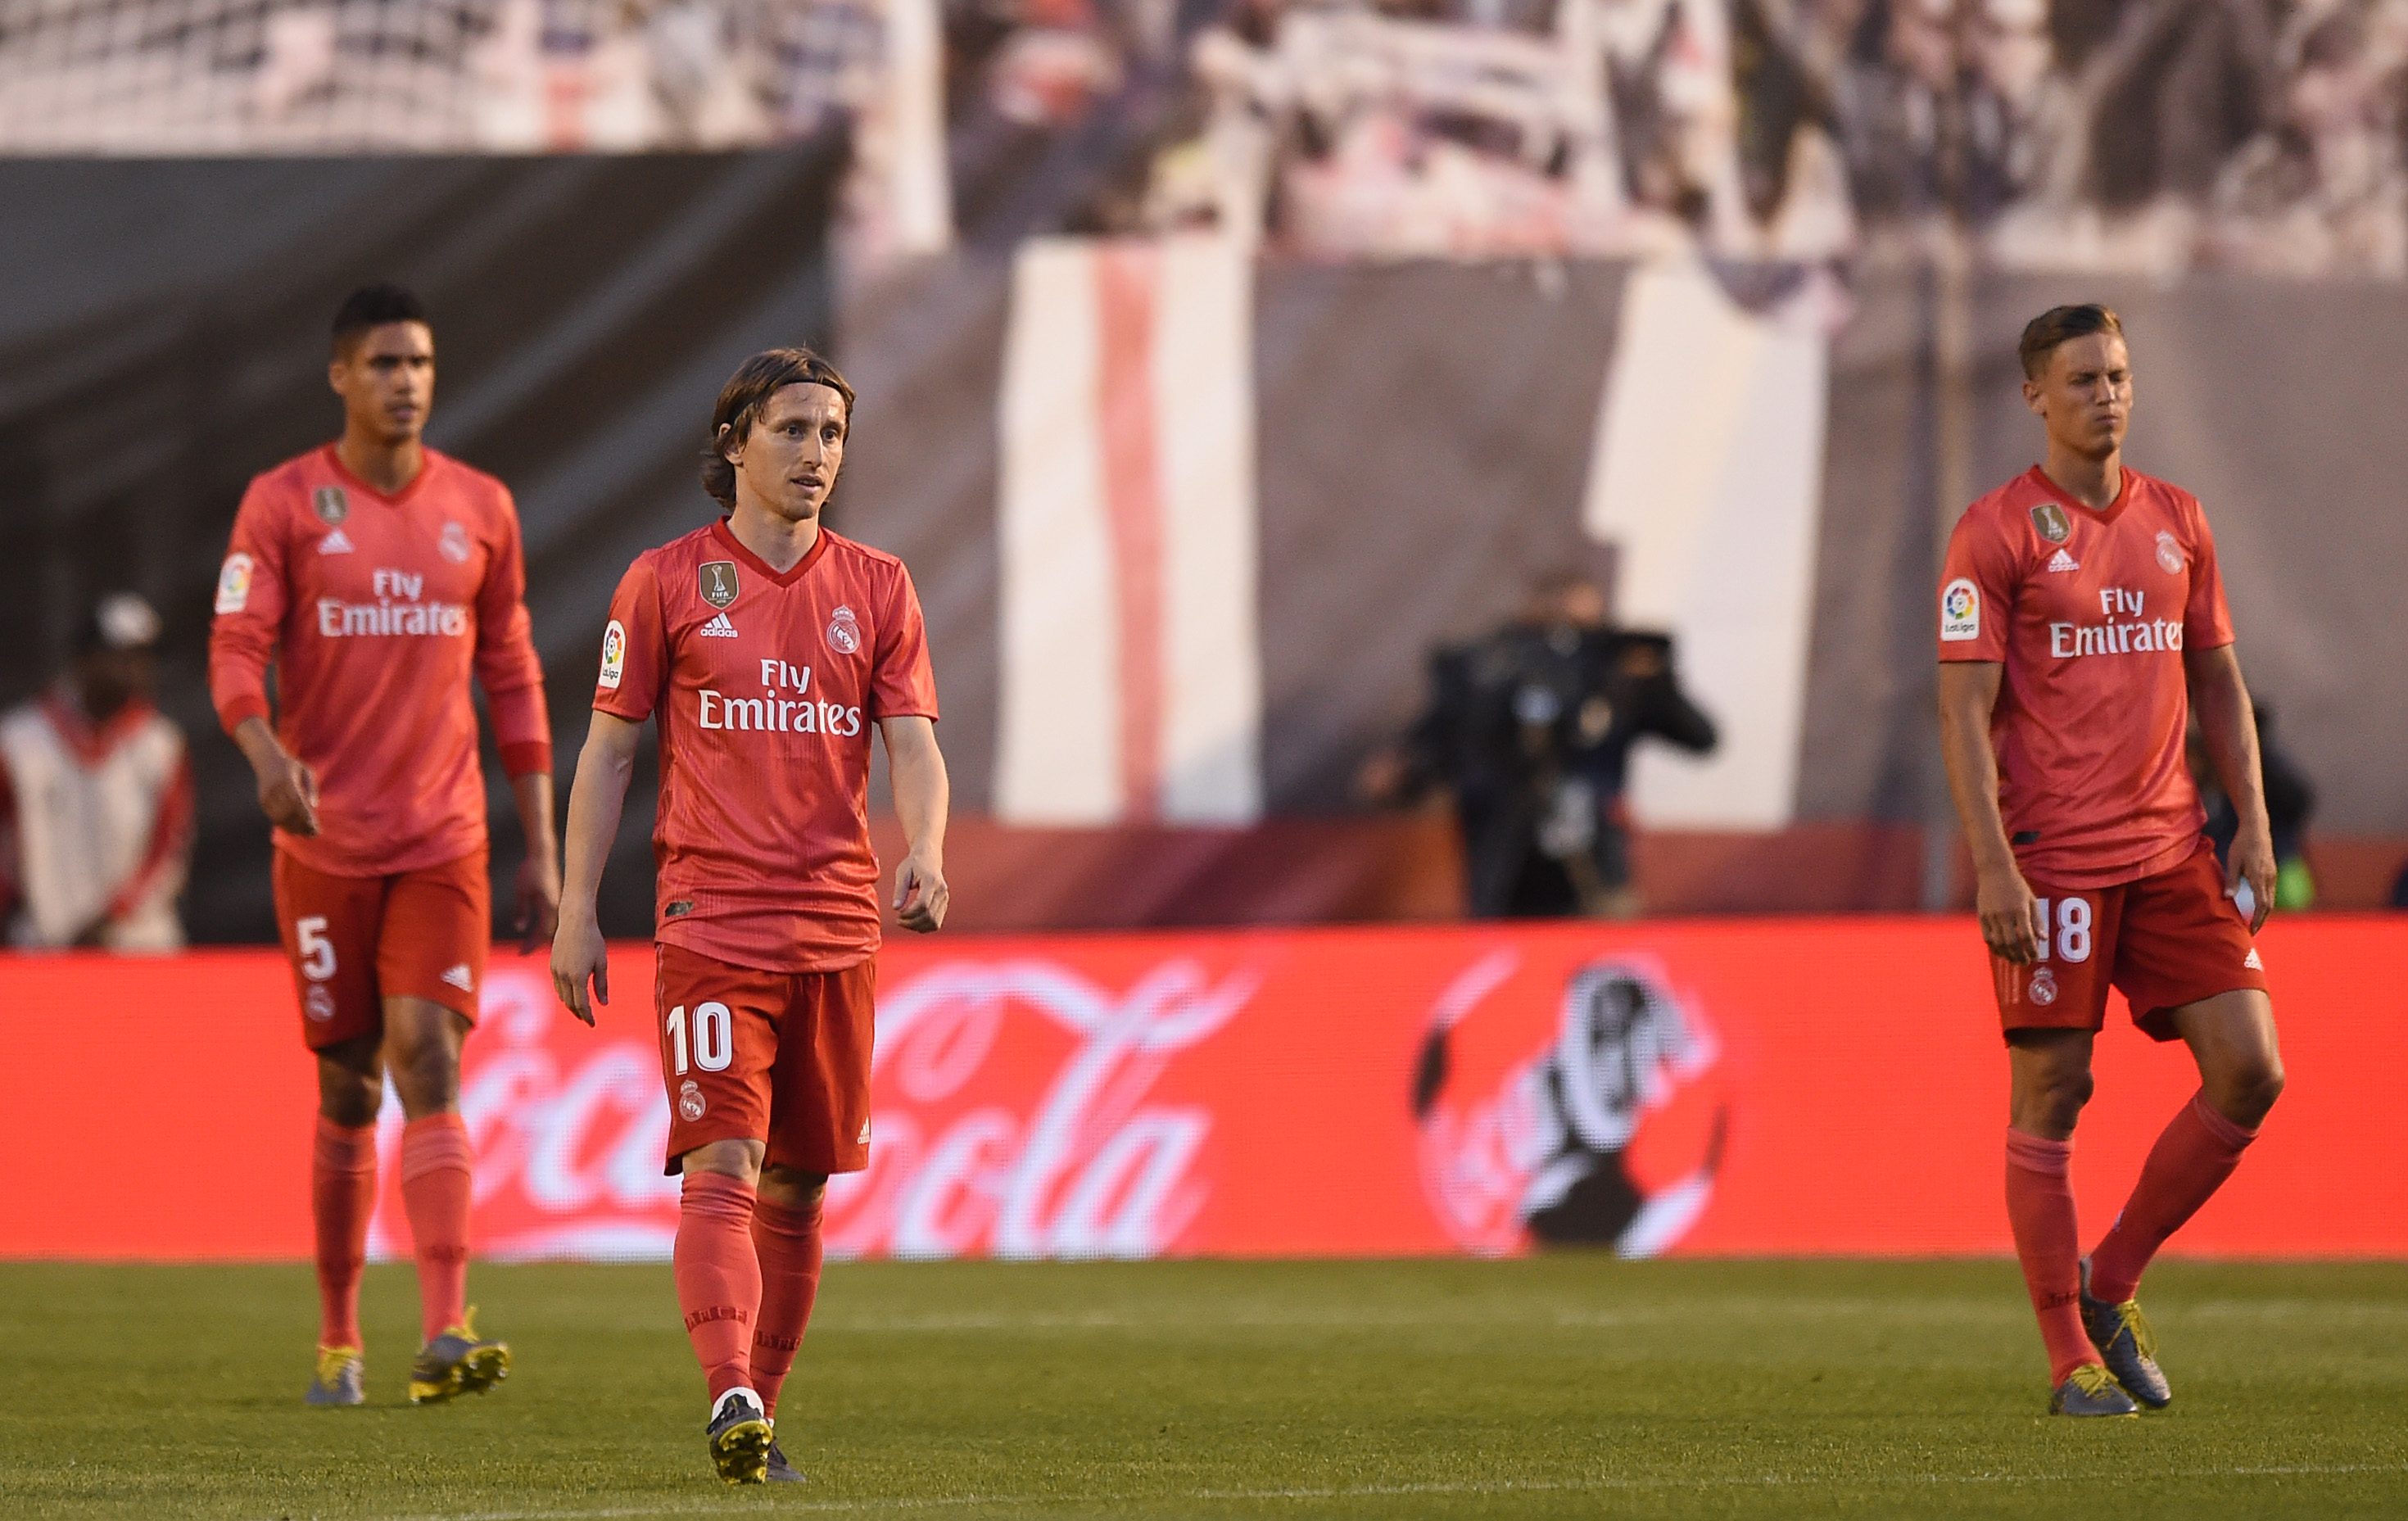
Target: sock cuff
{"type": "Point", "coordinates": [436, 1143]}
{"type": "Point", "coordinates": [342, 1148]}
{"type": "Point", "coordinates": [2232, 1135]}
{"type": "Point", "coordinates": [2038, 1153]}
{"type": "Point", "coordinates": [717, 1194]}
{"type": "Point", "coordinates": [786, 1220]}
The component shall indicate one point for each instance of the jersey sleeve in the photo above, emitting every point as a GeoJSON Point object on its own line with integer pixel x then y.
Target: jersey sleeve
{"type": "Point", "coordinates": [506, 665]}
{"type": "Point", "coordinates": [1977, 593]}
{"type": "Point", "coordinates": [249, 611]}
{"type": "Point", "coordinates": [635, 648]}
{"type": "Point", "coordinates": [902, 685]}
{"type": "Point", "coordinates": [2207, 622]}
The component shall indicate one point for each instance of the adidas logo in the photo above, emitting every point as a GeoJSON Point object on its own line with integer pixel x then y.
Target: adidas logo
{"type": "Point", "coordinates": [865, 1124]}
{"type": "Point", "coordinates": [2063, 561]}
{"type": "Point", "coordinates": [335, 543]}
{"type": "Point", "coordinates": [460, 978]}
{"type": "Point", "coordinates": [718, 628]}
{"type": "Point", "coordinates": [2251, 962]}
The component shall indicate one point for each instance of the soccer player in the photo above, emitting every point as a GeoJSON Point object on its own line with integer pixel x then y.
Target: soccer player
{"type": "Point", "coordinates": [2080, 618]}
{"type": "Point", "coordinates": [379, 575]}
{"type": "Point", "coordinates": [766, 649]}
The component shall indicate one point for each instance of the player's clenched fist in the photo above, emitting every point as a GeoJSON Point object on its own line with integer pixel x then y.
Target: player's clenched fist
{"type": "Point", "coordinates": [920, 893]}
{"type": "Point", "coordinates": [577, 955]}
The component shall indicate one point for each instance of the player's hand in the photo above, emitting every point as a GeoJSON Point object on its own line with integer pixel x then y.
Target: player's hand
{"type": "Point", "coordinates": [920, 893]}
{"type": "Point", "coordinates": [2251, 861]}
{"type": "Point", "coordinates": [538, 904]}
{"type": "Point", "coordinates": [2010, 912]}
{"type": "Point", "coordinates": [578, 956]}
{"type": "Point", "coordinates": [287, 792]}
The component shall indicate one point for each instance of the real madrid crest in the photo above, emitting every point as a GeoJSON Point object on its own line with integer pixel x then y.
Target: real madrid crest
{"type": "Point", "coordinates": [716, 579]}
{"type": "Point", "coordinates": [2043, 987]}
{"type": "Point", "coordinates": [2052, 523]}
{"type": "Point", "coordinates": [333, 503]}
{"type": "Point", "coordinates": [2170, 554]}
{"type": "Point", "coordinates": [454, 543]}
{"type": "Point", "coordinates": [844, 634]}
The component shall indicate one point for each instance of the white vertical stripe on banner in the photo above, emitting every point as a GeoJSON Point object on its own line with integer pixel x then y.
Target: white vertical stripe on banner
{"type": "Point", "coordinates": [1132, 668]}
{"type": "Point", "coordinates": [1707, 473]}
{"type": "Point", "coordinates": [1057, 757]}
{"type": "Point", "coordinates": [919, 189]}
{"type": "Point", "coordinates": [1204, 398]}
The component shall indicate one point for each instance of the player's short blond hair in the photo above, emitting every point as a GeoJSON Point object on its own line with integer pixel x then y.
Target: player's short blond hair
{"type": "Point", "coordinates": [746, 391]}
{"type": "Point", "coordinates": [2063, 324]}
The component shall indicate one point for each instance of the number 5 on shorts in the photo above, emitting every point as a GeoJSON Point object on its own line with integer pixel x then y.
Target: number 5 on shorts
{"type": "Point", "coordinates": [317, 951]}
{"type": "Point", "coordinates": [714, 1045]}
{"type": "Point", "coordinates": [2073, 928]}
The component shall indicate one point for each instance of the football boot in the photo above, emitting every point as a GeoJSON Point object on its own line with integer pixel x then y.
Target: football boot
{"type": "Point", "coordinates": [739, 1438]}
{"type": "Point", "coordinates": [2089, 1391]}
{"type": "Point", "coordinates": [2125, 1344]}
{"type": "Point", "coordinates": [779, 1471]}
{"type": "Point", "coordinates": [341, 1378]}
{"type": "Point", "coordinates": [457, 1363]}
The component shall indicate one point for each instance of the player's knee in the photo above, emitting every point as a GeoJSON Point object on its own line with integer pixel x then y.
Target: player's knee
{"type": "Point", "coordinates": [792, 1187]}
{"type": "Point", "coordinates": [2254, 1087]}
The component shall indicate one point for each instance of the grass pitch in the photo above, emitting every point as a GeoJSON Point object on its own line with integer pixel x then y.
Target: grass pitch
{"type": "Point", "coordinates": [1569, 1386]}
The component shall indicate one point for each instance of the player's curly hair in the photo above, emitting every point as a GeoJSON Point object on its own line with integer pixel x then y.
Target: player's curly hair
{"type": "Point", "coordinates": [746, 392]}
{"type": "Point", "coordinates": [2063, 324]}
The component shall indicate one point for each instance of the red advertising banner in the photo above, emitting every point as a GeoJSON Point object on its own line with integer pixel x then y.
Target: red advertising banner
{"type": "Point", "coordinates": [1726, 1088]}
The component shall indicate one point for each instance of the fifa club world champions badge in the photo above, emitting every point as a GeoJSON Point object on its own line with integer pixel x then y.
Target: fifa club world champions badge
{"type": "Point", "coordinates": [333, 505]}
{"type": "Point", "coordinates": [2052, 523]}
{"type": "Point", "coordinates": [717, 581]}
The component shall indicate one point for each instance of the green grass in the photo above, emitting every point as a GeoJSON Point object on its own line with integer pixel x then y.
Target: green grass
{"type": "Point", "coordinates": [1572, 1385]}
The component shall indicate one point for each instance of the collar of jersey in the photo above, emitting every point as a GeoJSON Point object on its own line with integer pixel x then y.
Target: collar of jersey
{"type": "Point", "coordinates": [335, 463]}
{"type": "Point", "coordinates": [93, 743]}
{"type": "Point", "coordinates": [759, 567]}
{"type": "Point", "coordinates": [2096, 514]}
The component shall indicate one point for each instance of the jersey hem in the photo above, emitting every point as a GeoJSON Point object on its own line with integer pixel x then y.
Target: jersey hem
{"type": "Point", "coordinates": [786, 967]}
{"type": "Point", "coordinates": [418, 860]}
{"type": "Point", "coordinates": [2117, 876]}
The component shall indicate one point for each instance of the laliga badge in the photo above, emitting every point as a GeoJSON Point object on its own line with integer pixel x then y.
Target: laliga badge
{"type": "Point", "coordinates": [716, 581]}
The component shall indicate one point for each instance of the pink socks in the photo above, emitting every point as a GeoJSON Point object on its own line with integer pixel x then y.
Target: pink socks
{"type": "Point", "coordinates": [342, 1197]}
{"type": "Point", "coordinates": [787, 1242]}
{"type": "Point", "coordinates": [435, 1193]}
{"type": "Point", "coordinates": [2193, 1156]}
{"type": "Point", "coordinates": [2040, 1207]}
{"type": "Point", "coordinates": [718, 1276]}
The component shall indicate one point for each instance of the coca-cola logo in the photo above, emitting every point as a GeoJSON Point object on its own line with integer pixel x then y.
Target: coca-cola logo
{"type": "Point", "coordinates": [1016, 1117]}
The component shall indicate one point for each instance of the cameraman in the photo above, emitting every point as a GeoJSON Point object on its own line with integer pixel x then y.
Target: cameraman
{"type": "Point", "coordinates": [1531, 726]}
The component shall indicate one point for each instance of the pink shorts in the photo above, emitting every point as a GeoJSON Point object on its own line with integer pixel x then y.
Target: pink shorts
{"type": "Point", "coordinates": [2165, 940]}
{"type": "Point", "coordinates": [780, 1057]}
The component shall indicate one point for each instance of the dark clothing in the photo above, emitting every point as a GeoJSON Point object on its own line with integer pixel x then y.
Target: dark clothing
{"type": "Point", "coordinates": [1531, 727]}
{"type": "Point", "coordinates": [2289, 800]}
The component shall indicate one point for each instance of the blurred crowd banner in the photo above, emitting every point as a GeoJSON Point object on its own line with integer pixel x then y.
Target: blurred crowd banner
{"type": "Point", "coordinates": [1811, 1086]}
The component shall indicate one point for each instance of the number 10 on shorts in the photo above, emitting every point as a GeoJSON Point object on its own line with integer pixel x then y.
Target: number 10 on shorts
{"type": "Point", "coordinates": [713, 1045]}
{"type": "Point", "coordinates": [2072, 932]}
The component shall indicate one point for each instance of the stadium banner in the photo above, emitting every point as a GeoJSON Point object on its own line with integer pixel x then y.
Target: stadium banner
{"type": "Point", "coordinates": [1808, 1086]}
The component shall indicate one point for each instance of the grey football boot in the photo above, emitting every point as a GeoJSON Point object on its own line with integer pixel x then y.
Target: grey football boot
{"type": "Point", "coordinates": [2125, 1344]}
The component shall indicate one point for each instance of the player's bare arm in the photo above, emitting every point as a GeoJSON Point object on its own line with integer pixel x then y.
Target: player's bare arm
{"type": "Point", "coordinates": [538, 913]}
{"type": "Point", "coordinates": [923, 798]}
{"type": "Point", "coordinates": [2009, 909]}
{"type": "Point", "coordinates": [595, 797]}
{"type": "Point", "coordinates": [2229, 724]}
{"type": "Point", "coordinates": [288, 789]}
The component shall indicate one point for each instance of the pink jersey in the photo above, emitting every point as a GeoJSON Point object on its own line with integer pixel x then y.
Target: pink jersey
{"type": "Point", "coordinates": [376, 611]}
{"type": "Point", "coordinates": [2089, 612]}
{"type": "Point", "coordinates": [765, 686]}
